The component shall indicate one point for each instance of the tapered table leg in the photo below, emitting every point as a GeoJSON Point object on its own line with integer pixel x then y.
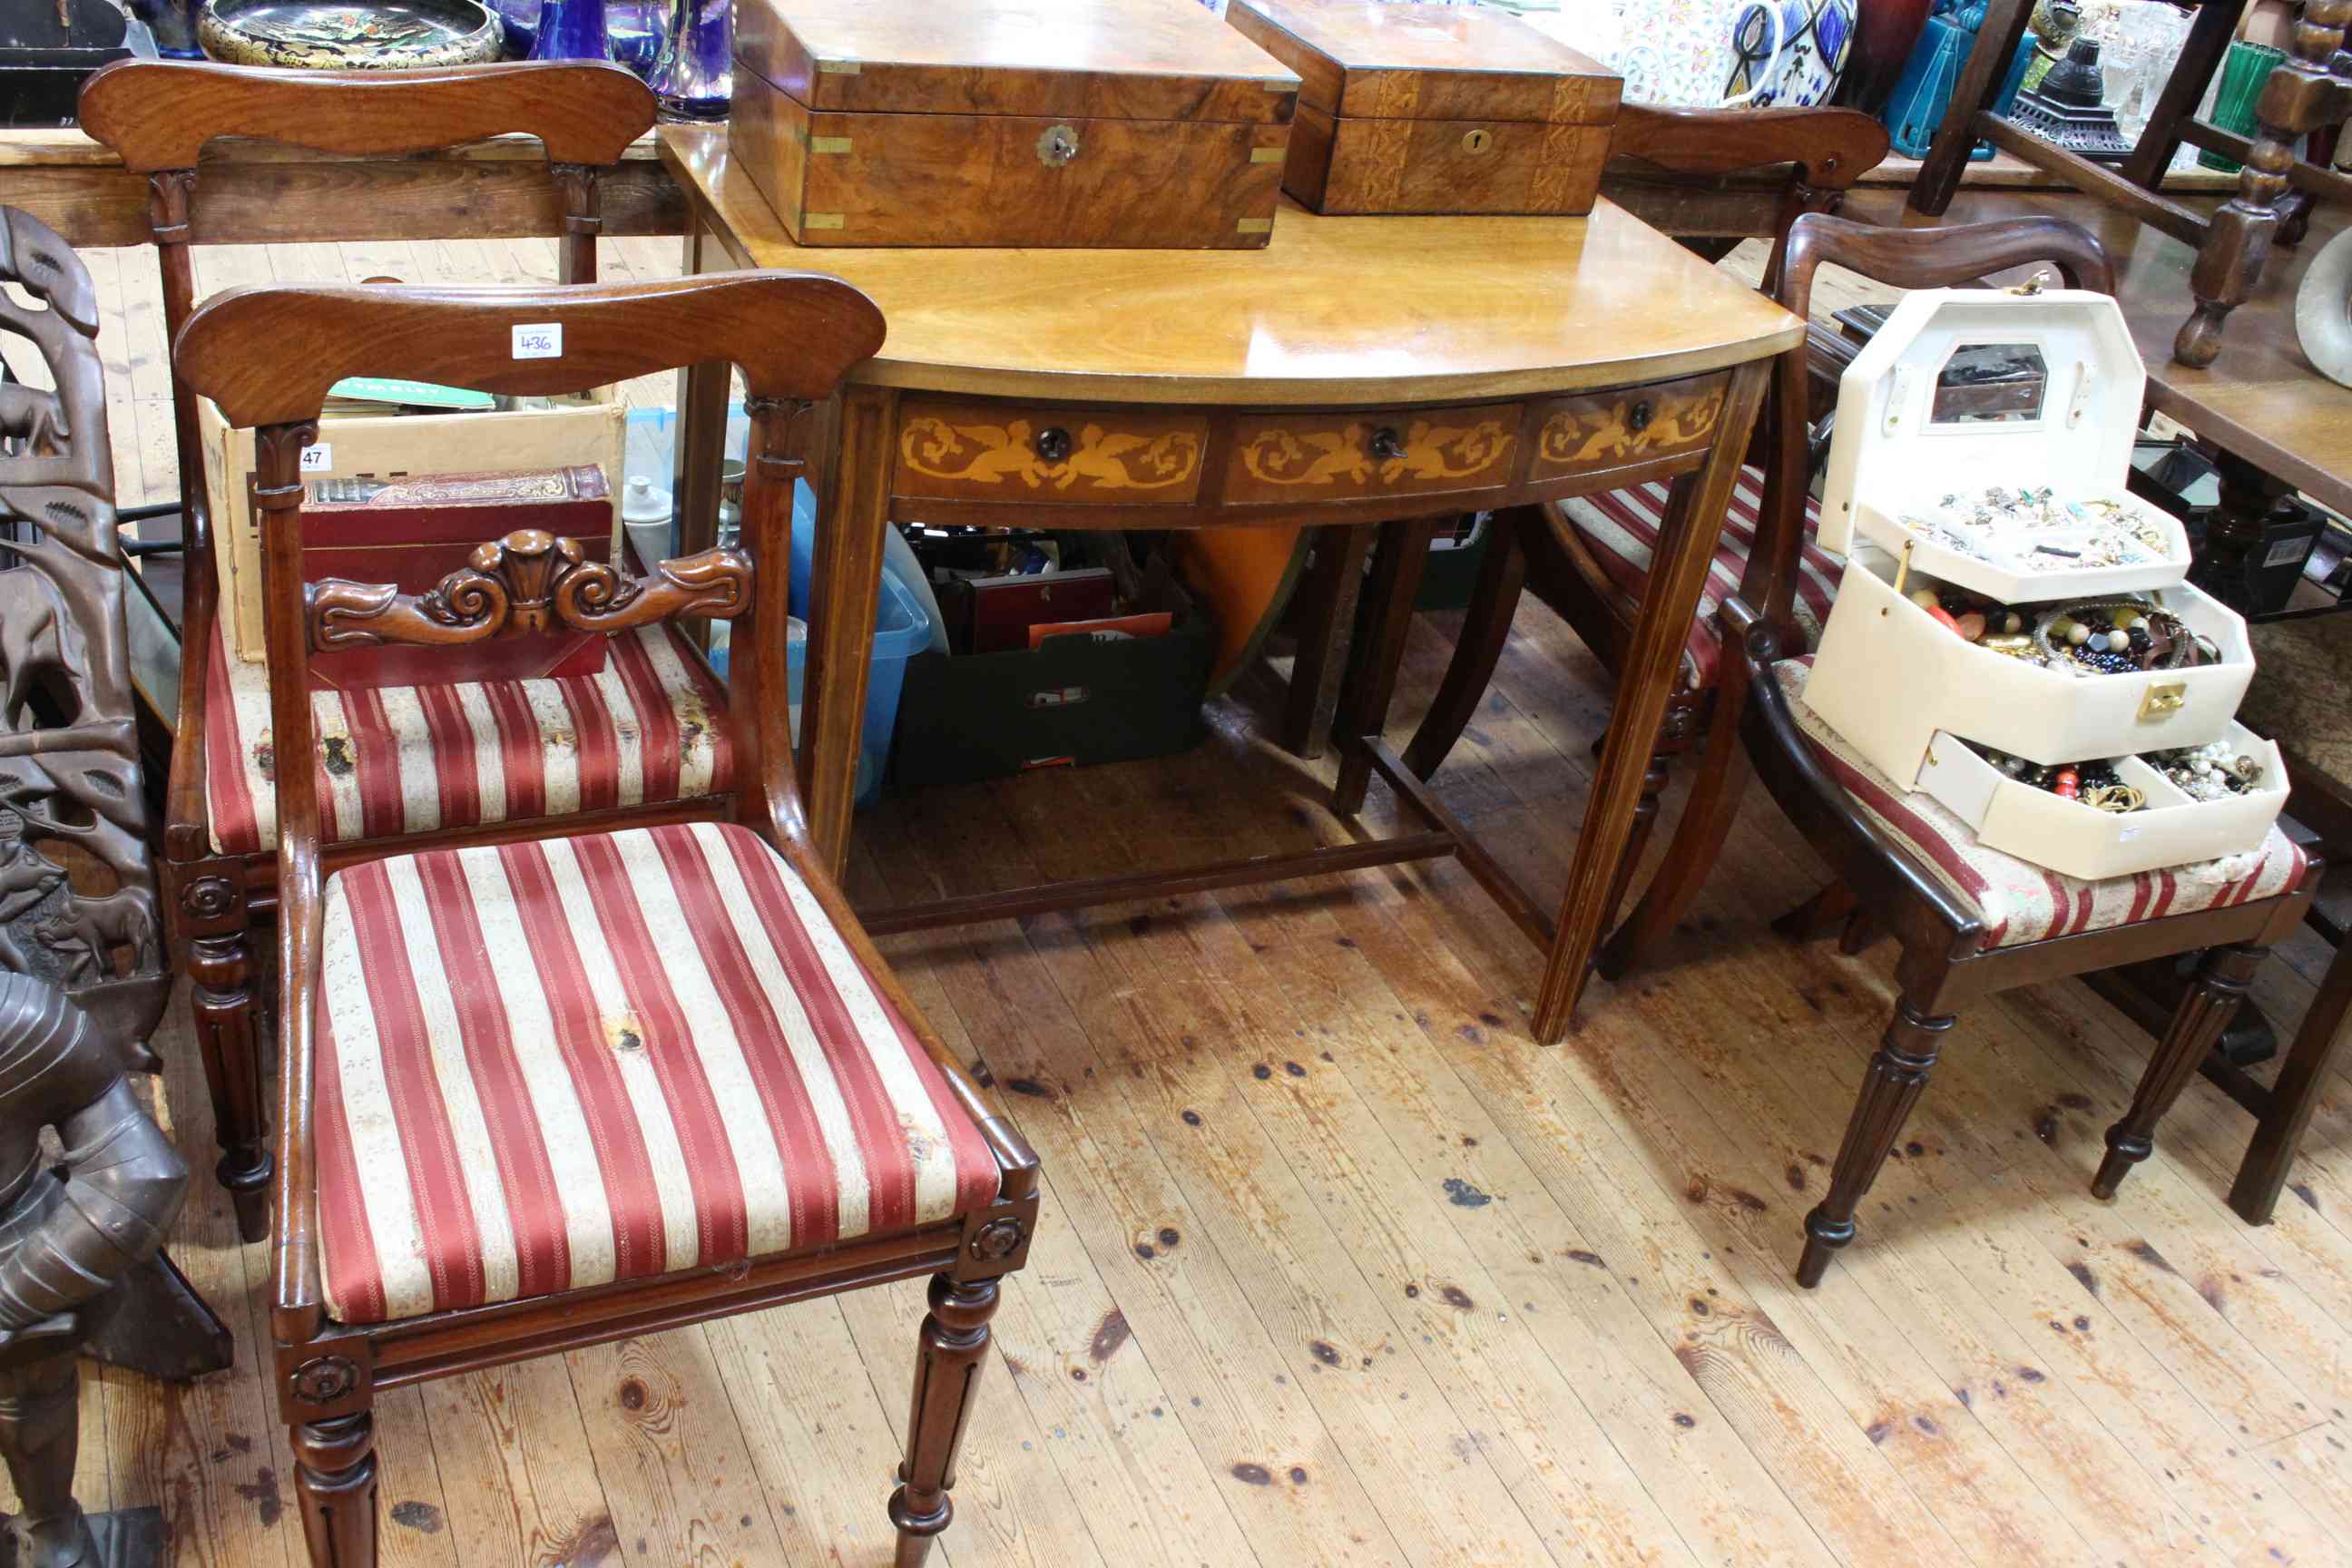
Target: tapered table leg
{"type": "Point", "coordinates": [1687, 542]}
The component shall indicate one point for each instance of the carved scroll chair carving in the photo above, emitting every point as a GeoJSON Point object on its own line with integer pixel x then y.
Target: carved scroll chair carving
{"type": "Point", "coordinates": [1589, 558]}
{"type": "Point", "coordinates": [82, 972]}
{"type": "Point", "coordinates": [671, 1079]}
{"type": "Point", "coordinates": [642, 721]}
{"type": "Point", "coordinates": [1970, 921]}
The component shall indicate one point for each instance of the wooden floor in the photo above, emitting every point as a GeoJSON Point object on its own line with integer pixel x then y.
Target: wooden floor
{"type": "Point", "coordinates": [1337, 1266]}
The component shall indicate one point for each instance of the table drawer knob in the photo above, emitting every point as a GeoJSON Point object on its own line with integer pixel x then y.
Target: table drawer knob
{"type": "Point", "coordinates": [1386, 446]}
{"type": "Point", "coordinates": [1053, 443]}
{"type": "Point", "coordinates": [1639, 419]}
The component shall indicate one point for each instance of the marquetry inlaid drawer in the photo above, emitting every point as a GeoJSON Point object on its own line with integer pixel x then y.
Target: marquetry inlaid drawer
{"type": "Point", "coordinates": [1288, 458]}
{"type": "Point", "coordinates": [1631, 424]}
{"type": "Point", "coordinates": [1006, 452]}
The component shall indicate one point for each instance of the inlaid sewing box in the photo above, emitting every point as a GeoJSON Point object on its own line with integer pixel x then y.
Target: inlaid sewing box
{"type": "Point", "coordinates": [2005, 593]}
{"type": "Point", "coordinates": [1118, 123]}
{"type": "Point", "coordinates": [1425, 108]}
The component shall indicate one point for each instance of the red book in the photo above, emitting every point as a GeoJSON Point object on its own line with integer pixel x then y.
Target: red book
{"type": "Point", "coordinates": [413, 531]}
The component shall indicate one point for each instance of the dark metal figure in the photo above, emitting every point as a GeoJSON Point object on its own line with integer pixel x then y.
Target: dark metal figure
{"type": "Point", "coordinates": [66, 1236]}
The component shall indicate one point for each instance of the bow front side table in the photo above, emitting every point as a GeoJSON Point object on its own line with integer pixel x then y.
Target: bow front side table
{"type": "Point", "coordinates": [1358, 371]}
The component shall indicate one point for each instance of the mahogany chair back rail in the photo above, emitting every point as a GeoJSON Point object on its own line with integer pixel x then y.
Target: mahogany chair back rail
{"type": "Point", "coordinates": [1946, 958]}
{"type": "Point", "coordinates": [1815, 156]}
{"type": "Point", "coordinates": [159, 116]}
{"type": "Point", "coordinates": [267, 357]}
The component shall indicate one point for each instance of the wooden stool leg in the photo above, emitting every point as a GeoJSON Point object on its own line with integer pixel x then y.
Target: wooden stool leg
{"type": "Point", "coordinates": [1372, 669]}
{"type": "Point", "coordinates": [1485, 627]}
{"type": "Point", "coordinates": [2203, 1012]}
{"type": "Point", "coordinates": [2295, 99]}
{"type": "Point", "coordinates": [2254, 1194]}
{"type": "Point", "coordinates": [947, 1367]}
{"type": "Point", "coordinates": [1996, 40]}
{"type": "Point", "coordinates": [1334, 586]}
{"type": "Point", "coordinates": [334, 1486]}
{"type": "Point", "coordinates": [1899, 1071]}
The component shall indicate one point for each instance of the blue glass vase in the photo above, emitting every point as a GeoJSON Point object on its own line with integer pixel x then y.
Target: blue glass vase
{"type": "Point", "coordinates": [173, 24]}
{"type": "Point", "coordinates": [635, 27]}
{"type": "Point", "coordinates": [694, 79]}
{"type": "Point", "coordinates": [571, 30]}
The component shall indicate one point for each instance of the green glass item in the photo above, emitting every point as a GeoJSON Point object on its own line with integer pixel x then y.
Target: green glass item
{"type": "Point", "coordinates": [2243, 72]}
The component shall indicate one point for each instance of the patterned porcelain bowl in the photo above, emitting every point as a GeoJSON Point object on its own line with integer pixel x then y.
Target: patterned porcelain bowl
{"type": "Point", "coordinates": [366, 34]}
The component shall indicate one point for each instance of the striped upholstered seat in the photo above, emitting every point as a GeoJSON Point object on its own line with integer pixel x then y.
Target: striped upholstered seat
{"type": "Point", "coordinates": [411, 759]}
{"type": "Point", "coordinates": [2019, 901]}
{"type": "Point", "coordinates": [546, 1065]}
{"type": "Point", "coordinates": [1621, 529]}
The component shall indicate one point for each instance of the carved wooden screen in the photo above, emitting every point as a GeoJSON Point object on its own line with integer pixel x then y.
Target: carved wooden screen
{"type": "Point", "coordinates": [77, 887]}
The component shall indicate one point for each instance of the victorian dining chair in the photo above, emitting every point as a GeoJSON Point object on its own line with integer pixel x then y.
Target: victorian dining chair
{"type": "Point", "coordinates": [221, 830]}
{"type": "Point", "coordinates": [1589, 558]}
{"type": "Point", "coordinates": [1970, 921]}
{"type": "Point", "coordinates": [542, 1092]}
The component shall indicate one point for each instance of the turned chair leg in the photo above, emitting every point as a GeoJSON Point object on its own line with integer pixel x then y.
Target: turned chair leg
{"type": "Point", "coordinates": [1899, 1071]}
{"type": "Point", "coordinates": [1485, 627]}
{"type": "Point", "coordinates": [2254, 1193]}
{"type": "Point", "coordinates": [2196, 1024]}
{"type": "Point", "coordinates": [1645, 822]}
{"type": "Point", "coordinates": [334, 1486]}
{"type": "Point", "coordinates": [218, 944]}
{"type": "Point", "coordinates": [1370, 682]}
{"type": "Point", "coordinates": [947, 1369]}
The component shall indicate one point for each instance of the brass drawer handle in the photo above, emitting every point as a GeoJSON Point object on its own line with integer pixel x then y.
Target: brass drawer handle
{"type": "Point", "coordinates": [1386, 446]}
{"type": "Point", "coordinates": [1053, 443]}
{"type": "Point", "coordinates": [1639, 419]}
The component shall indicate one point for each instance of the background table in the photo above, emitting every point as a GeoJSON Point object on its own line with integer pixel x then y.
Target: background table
{"type": "Point", "coordinates": [1356, 371]}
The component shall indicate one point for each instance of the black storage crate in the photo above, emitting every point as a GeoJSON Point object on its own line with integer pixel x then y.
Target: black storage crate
{"type": "Point", "coordinates": [1073, 700]}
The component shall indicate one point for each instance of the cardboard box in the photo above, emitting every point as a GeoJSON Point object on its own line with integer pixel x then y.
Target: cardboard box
{"type": "Point", "coordinates": [593, 430]}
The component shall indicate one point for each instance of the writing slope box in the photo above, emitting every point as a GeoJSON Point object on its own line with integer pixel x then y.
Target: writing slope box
{"type": "Point", "coordinates": [1058, 124]}
{"type": "Point", "coordinates": [1423, 109]}
{"type": "Point", "coordinates": [414, 532]}
{"type": "Point", "coordinates": [590, 430]}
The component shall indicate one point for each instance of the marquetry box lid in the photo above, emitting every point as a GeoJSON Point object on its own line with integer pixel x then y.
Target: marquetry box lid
{"type": "Point", "coordinates": [1125, 123]}
{"type": "Point", "coordinates": [1424, 108]}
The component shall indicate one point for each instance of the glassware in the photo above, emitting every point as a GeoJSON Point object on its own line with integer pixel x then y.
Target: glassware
{"type": "Point", "coordinates": [694, 77]}
{"type": "Point", "coordinates": [571, 30]}
{"type": "Point", "coordinates": [521, 18]}
{"type": "Point", "coordinates": [2243, 70]}
{"type": "Point", "coordinates": [636, 29]}
{"type": "Point", "coordinates": [173, 24]}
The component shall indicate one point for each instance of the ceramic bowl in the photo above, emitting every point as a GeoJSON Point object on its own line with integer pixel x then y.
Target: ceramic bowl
{"type": "Point", "coordinates": [365, 35]}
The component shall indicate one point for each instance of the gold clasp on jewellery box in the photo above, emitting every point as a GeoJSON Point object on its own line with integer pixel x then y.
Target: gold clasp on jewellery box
{"type": "Point", "coordinates": [2163, 698]}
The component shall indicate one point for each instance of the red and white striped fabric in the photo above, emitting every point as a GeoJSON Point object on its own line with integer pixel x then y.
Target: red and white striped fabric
{"type": "Point", "coordinates": [545, 1066]}
{"type": "Point", "coordinates": [410, 759]}
{"type": "Point", "coordinates": [2019, 901]}
{"type": "Point", "coordinates": [1621, 530]}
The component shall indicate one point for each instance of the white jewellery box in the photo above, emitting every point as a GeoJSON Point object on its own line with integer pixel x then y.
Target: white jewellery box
{"type": "Point", "coordinates": [1978, 487]}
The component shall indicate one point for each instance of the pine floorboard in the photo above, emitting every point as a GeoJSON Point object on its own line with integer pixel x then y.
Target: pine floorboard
{"type": "Point", "coordinates": [1337, 1266]}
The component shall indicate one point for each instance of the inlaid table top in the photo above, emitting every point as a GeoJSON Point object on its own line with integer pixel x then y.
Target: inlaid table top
{"type": "Point", "coordinates": [1335, 310]}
